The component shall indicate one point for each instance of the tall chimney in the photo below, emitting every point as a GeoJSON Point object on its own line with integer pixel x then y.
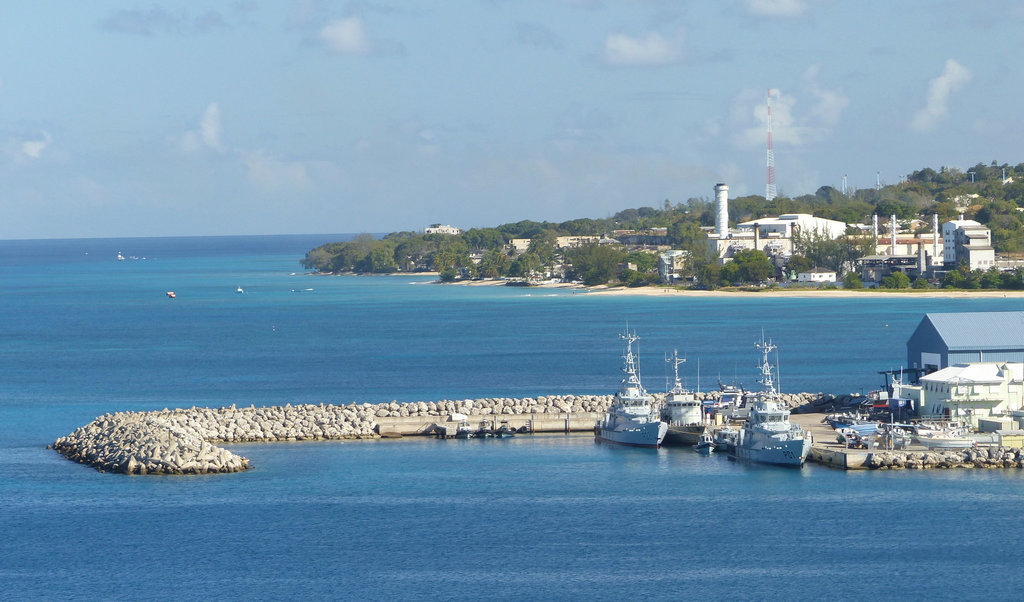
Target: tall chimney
{"type": "Point", "coordinates": [892, 227]}
{"type": "Point", "coordinates": [722, 218]}
{"type": "Point", "coordinates": [935, 237]}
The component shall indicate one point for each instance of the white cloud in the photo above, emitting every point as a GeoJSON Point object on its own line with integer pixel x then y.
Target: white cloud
{"type": "Point", "coordinates": [272, 174]}
{"type": "Point", "coordinates": [345, 36]}
{"type": "Point", "coordinates": [646, 50]}
{"type": "Point", "coordinates": [35, 148]}
{"type": "Point", "coordinates": [789, 124]}
{"type": "Point", "coordinates": [953, 77]}
{"type": "Point", "coordinates": [207, 136]}
{"type": "Point", "coordinates": [776, 8]}
{"type": "Point", "coordinates": [210, 127]}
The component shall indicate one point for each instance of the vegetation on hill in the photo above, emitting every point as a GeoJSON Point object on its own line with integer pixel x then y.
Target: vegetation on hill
{"type": "Point", "coordinates": [980, 193]}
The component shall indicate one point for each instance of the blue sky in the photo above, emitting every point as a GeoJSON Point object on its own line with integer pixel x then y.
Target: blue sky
{"type": "Point", "coordinates": [129, 118]}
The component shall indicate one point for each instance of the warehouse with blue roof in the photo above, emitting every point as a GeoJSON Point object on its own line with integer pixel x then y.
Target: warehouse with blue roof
{"type": "Point", "coordinates": [947, 339]}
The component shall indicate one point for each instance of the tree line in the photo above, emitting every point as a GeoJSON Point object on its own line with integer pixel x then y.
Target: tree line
{"type": "Point", "coordinates": [992, 194]}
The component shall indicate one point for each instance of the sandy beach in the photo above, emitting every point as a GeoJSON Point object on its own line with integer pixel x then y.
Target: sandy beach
{"type": "Point", "coordinates": [660, 291]}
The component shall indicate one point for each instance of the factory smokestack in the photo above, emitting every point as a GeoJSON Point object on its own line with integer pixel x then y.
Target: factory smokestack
{"type": "Point", "coordinates": [722, 216]}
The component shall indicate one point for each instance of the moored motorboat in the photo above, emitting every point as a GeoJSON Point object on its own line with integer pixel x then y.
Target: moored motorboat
{"type": "Point", "coordinates": [504, 430]}
{"type": "Point", "coordinates": [464, 431]}
{"type": "Point", "coordinates": [706, 445]}
{"type": "Point", "coordinates": [944, 441]}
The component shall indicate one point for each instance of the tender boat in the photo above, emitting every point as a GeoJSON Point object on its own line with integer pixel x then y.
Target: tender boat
{"type": "Point", "coordinates": [767, 436]}
{"type": "Point", "coordinates": [681, 411]}
{"type": "Point", "coordinates": [504, 430]}
{"type": "Point", "coordinates": [631, 419]}
{"type": "Point", "coordinates": [485, 430]}
{"type": "Point", "coordinates": [706, 445]}
{"type": "Point", "coordinates": [725, 439]}
{"type": "Point", "coordinates": [464, 431]}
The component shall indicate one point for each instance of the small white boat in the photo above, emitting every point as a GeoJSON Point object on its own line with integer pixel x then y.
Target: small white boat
{"type": "Point", "coordinates": [944, 441]}
{"type": "Point", "coordinates": [239, 290]}
{"type": "Point", "coordinates": [706, 445]}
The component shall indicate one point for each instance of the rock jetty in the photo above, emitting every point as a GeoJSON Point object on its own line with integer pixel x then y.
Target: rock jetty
{"type": "Point", "coordinates": [183, 441]}
{"type": "Point", "coordinates": [982, 457]}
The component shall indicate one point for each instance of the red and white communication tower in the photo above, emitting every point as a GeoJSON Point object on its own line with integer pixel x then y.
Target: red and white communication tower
{"type": "Point", "coordinates": [769, 189]}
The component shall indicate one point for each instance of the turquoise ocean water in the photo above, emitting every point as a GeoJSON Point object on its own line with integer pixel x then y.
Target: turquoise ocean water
{"type": "Point", "coordinates": [541, 517]}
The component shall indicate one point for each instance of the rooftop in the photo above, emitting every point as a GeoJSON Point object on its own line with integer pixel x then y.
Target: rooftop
{"type": "Point", "coordinates": [979, 330]}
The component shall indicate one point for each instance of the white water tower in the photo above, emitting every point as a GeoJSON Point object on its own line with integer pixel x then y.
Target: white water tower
{"type": "Point", "coordinates": [722, 215]}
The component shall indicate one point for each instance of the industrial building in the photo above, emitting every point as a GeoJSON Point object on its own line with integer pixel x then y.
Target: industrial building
{"type": "Point", "coordinates": [772, 235]}
{"type": "Point", "coordinates": [946, 339]}
{"type": "Point", "coordinates": [967, 241]}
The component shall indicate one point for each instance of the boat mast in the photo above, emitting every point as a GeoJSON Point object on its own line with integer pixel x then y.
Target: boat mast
{"type": "Point", "coordinates": [632, 377]}
{"type": "Point", "coordinates": [766, 347]}
{"type": "Point", "coordinates": [675, 361]}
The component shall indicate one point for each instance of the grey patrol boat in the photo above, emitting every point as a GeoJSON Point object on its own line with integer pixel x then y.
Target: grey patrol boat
{"type": "Point", "coordinates": [632, 418]}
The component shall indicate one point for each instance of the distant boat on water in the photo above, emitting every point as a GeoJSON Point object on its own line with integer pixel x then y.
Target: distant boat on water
{"type": "Point", "coordinates": [171, 295]}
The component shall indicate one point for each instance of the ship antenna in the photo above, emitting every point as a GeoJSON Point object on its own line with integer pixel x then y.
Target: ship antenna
{"type": "Point", "coordinates": [766, 347]}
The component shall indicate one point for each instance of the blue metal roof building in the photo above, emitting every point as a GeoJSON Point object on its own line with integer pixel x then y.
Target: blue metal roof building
{"type": "Point", "coordinates": [943, 340]}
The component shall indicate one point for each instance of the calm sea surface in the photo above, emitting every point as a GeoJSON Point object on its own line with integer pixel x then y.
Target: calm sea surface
{"type": "Point", "coordinates": [539, 517]}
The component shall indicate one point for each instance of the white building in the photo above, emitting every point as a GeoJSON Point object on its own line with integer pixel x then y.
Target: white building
{"type": "Point", "coordinates": [671, 263]}
{"type": "Point", "coordinates": [568, 242]}
{"type": "Point", "coordinates": [520, 245]}
{"type": "Point", "coordinates": [968, 241]}
{"type": "Point", "coordinates": [784, 226]}
{"type": "Point", "coordinates": [439, 229]}
{"type": "Point", "coordinates": [968, 391]}
{"type": "Point", "coordinates": [816, 276]}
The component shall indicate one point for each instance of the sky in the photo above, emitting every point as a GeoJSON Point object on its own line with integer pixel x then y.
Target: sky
{"type": "Point", "coordinates": [157, 118]}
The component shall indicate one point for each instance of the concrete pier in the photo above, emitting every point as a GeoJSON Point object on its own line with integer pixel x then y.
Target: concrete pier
{"type": "Point", "coordinates": [827, 451]}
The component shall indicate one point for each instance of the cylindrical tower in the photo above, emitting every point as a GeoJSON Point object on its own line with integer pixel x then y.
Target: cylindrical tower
{"type": "Point", "coordinates": [722, 217]}
{"type": "Point", "coordinates": [892, 230]}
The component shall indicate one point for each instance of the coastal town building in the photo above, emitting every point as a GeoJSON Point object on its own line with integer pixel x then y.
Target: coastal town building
{"type": "Point", "coordinates": [442, 229]}
{"type": "Point", "coordinates": [969, 242]}
{"type": "Point", "coordinates": [519, 245]}
{"type": "Point", "coordinates": [916, 256]}
{"type": "Point", "coordinates": [671, 264]}
{"type": "Point", "coordinates": [946, 339]}
{"type": "Point", "coordinates": [816, 276]}
{"type": "Point", "coordinates": [971, 392]}
{"type": "Point", "coordinates": [569, 242]}
{"type": "Point", "coordinates": [772, 235]}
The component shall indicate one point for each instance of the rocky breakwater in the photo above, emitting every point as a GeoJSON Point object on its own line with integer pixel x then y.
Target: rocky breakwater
{"type": "Point", "coordinates": [182, 441]}
{"type": "Point", "coordinates": [142, 444]}
{"type": "Point", "coordinates": [982, 457]}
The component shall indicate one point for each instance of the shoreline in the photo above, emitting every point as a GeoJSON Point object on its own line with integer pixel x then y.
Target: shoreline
{"type": "Point", "coordinates": [662, 291]}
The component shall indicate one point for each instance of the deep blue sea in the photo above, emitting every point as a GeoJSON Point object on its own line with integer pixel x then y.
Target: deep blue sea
{"type": "Point", "coordinates": [543, 517]}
